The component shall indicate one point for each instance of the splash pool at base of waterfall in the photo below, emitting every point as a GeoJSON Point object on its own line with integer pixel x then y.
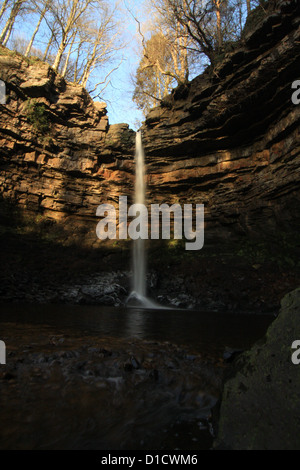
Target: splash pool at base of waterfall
{"type": "Point", "coordinates": [141, 301]}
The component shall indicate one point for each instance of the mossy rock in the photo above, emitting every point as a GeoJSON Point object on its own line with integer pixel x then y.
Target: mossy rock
{"type": "Point", "coordinates": [37, 116]}
{"type": "Point", "coordinates": [260, 408]}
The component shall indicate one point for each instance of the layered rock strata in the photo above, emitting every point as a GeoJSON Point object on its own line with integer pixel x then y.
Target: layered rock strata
{"type": "Point", "coordinates": [59, 155]}
{"type": "Point", "coordinates": [229, 140]}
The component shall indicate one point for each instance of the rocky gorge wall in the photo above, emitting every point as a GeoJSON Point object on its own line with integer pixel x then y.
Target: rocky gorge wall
{"type": "Point", "coordinates": [59, 156]}
{"type": "Point", "coordinates": [228, 140]}
{"type": "Point", "coordinates": [260, 401]}
{"type": "Point", "coordinates": [231, 140]}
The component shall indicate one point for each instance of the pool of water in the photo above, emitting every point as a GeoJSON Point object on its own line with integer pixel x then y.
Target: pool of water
{"type": "Point", "coordinates": [203, 331]}
{"type": "Point", "coordinates": [86, 377]}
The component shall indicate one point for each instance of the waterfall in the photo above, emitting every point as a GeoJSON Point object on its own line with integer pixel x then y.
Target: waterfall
{"type": "Point", "coordinates": [139, 252]}
{"type": "Point", "coordinates": [138, 296]}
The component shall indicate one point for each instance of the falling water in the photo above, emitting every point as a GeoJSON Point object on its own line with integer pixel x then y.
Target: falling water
{"type": "Point", "coordinates": [138, 296]}
{"type": "Point", "coordinates": [139, 253]}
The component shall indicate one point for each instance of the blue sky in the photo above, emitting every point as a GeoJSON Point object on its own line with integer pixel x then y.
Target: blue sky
{"type": "Point", "coordinates": [118, 94]}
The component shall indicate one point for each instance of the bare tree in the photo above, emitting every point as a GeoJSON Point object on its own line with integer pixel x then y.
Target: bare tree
{"type": "Point", "coordinates": [197, 17]}
{"type": "Point", "coordinates": [156, 74]}
{"type": "Point", "coordinates": [218, 4]}
{"type": "Point", "coordinates": [207, 23]}
{"type": "Point", "coordinates": [65, 68]}
{"type": "Point", "coordinates": [165, 59]}
{"type": "Point", "coordinates": [4, 7]}
{"type": "Point", "coordinates": [15, 10]}
{"type": "Point", "coordinates": [176, 37]}
{"type": "Point", "coordinates": [81, 39]}
{"type": "Point", "coordinates": [102, 42]}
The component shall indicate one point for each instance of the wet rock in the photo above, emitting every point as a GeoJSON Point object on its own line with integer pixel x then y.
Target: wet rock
{"type": "Point", "coordinates": [8, 376]}
{"type": "Point", "coordinates": [105, 352]}
{"type": "Point", "coordinates": [134, 362]}
{"type": "Point", "coordinates": [115, 397]}
{"type": "Point", "coordinates": [231, 354]}
{"type": "Point", "coordinates": [128, 367]}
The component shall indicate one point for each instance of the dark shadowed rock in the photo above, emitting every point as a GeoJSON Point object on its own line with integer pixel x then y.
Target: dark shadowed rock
{"type": "Point", "coordinates": [261, 401]}
{"type": "Point", "coordinates": [231, 140]}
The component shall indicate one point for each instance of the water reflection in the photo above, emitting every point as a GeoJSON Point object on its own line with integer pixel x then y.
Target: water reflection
{"type": "Point", "coordinates": [204, 331]}
{"type": "Point", "coordinates": [89, 386]}
{"type": "Point", "coordinates": [135, 323]}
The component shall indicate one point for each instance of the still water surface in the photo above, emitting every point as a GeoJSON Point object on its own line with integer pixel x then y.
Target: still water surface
{"type": "Point", "coordinates": [67, 392]}
{"type": "Point", "coordinates": [203, 331]}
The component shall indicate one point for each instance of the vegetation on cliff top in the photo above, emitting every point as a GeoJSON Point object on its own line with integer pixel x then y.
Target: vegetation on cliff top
{"type": "Point", "coordinates": [187, 36]}
{"type": "Point", "coordinates": [78, 39]}
{"type": "Point", "coordinates": [82, 39]}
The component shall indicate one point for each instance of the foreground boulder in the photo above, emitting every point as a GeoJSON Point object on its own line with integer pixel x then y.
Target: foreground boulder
{"type": "Point", "coordinates": [230, 140]}
{"type": "Point", "coordinates": [261, 402]}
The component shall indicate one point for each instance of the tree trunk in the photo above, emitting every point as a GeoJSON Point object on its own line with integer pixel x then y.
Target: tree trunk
{"type": "Point", "coordinates": [87, 71]}
{"type": "Point", "coordinates": [48, 47]}
{"type": "Point", "coordinates": [219, 24]}
{"type": "Point", "coordinates": [6, 32]}
{"type": "Point", "coordinates": [184, 59]}
{"type": "Point", "coordinates": [91, 61]}
{"type": "Point", "coordinates": [76, 69]}
{"type": "Point", "coordinates": [59, 54]}
{"type": "Point", "coordinates": [3, 8]}
{"type": "Point", "coordinates": [68, 56]}
{"type": "Point", "coordinates": [36, 30]}
{"type": "Point", "coordinates": [248, 6]}
{"type": "Point", "coordinates": [74, 14]}
{"type": "Point", "coordinates": [7, 36]}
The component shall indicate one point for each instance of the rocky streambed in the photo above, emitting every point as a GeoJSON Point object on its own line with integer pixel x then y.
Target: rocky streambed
{"type": "Point", "coordinates": [69, 384]}
{"type": "Point", "coordinates": [61, 390]}
{"type": "Point", "coordinates": [234, 278]}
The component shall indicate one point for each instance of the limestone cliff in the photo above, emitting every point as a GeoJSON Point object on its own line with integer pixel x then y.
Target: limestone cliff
{"type": "Point", "coordinates": [229, 140]}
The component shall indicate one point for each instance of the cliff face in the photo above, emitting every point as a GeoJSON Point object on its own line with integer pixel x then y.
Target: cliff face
{"type": "Point", "coordinates": [59, 156]}
{"type": "Point", "coordinates": [229, 141]}
{"type": "Point", "coordinates": [260, 399]}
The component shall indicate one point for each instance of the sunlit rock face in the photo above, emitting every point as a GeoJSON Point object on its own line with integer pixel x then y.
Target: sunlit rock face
{"type": "Point", "coordinates": [228, 140]}
{"type": "Point", "coordinates": [59, 155]}
{"type": "Point", "coordinates": [231, 140]}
